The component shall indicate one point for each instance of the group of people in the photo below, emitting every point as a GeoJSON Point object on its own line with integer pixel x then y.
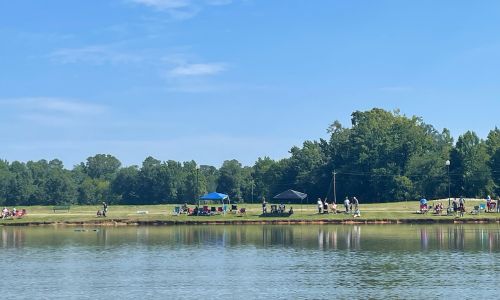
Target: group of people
{"type": "Point", "coordinates": [280, 209]}
{"type": "Point", "coordinates": [12, 213]}
{"type": "Point", "coordinates": [102, 212]}
{"type": "Point", "coordinates": [458, 206]}
{"type": "Point", "coordinates": [352, 206]}
{"type": "Point", "coordinates": [323, 206]}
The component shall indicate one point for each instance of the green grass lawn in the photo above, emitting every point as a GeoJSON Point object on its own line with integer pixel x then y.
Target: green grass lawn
{"type": "Point", "coordinates": [378, 211]}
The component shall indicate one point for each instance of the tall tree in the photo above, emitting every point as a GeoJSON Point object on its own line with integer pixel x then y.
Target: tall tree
{"type": "Point", "coordinates": [471, 173]}
{"type": "Point", "coordinates": [231, 179]}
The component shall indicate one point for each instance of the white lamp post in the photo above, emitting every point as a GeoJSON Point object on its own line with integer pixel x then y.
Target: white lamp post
{"type": "Point", "coordinates": [196, 193]}
{"type": "Point", "coordinates": [449, 194]}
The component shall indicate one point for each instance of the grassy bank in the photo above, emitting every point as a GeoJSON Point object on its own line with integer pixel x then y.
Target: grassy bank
{"type": "Point", "coordinates": [404, 212]}
{"type": "Point", "coordinates": [163, 214]}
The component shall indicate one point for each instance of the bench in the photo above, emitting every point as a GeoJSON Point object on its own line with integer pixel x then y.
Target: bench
{"type": "Point", "coordinates": [61, 207]}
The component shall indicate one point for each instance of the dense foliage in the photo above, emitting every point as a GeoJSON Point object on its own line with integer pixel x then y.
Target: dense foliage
{"type": "Point", "coordinates": [382, 156]}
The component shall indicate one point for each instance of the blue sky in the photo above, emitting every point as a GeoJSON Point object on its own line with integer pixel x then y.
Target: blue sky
{"type": "Point", "coordinates": [212, 80]}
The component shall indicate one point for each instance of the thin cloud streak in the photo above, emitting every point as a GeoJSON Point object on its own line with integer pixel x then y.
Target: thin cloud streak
{"type": "Point", "coordinates": [96, 54]}
{"type": "Point", "coordinates": [180, 9]}
{"type": "Point", "coordinates": [53, 105]}
{"type": "Point", "coordinates": [164, 4]}
{"type": "Point", "coordinates": [197, 70]}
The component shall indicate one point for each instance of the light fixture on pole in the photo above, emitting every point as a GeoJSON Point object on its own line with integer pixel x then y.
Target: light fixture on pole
{"type": "Point", "coordinates": [196, 189]}
{"type": "Point", "coordinates": [449, 194]}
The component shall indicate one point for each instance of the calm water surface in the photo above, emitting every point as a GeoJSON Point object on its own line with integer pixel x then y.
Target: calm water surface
{"type": "Point", "coordinates": [253, 262]}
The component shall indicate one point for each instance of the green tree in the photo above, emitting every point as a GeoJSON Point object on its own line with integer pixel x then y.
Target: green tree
{"type": "Point", "coordinates": [60, 186]}
{"type": "Point", "coordinates": [471, 175]}
{"type": "Point", "coordinates": [103, 166]}
{"type": "Point", "coordinates": [231, 179]}
{"type": "Point", "coordinates": [126, 185]}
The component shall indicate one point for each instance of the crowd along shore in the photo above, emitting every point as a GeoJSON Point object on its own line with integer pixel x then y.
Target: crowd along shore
{"type": "Point", "coordinates": [165, 215]}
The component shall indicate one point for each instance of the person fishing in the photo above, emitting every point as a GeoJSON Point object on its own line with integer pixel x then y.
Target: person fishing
{"type": "Point", "coordinates": [104, 209]}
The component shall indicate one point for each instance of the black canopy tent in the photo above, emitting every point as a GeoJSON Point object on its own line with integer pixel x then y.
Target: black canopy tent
{"type": "Point", "coordinates": [291, 195]}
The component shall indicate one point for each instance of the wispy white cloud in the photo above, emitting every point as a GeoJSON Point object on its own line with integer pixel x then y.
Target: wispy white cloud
{"type": "Point", "coordinates": [181, 9]}
{"type": "Point", "coordinates": [50, 111]}
{"type": "Point", "coordinates": [164, 4]}
{"type": "Point", "coordinates": [219, 2]}
{"type": "Point", "coordinates": [202, 69]}
{"type": "Point", "coordinates": [184, 77]}
{"type": "Point", "coordinates": [96, 54]}
{"type": "Point", "coordinates": [37, 106]}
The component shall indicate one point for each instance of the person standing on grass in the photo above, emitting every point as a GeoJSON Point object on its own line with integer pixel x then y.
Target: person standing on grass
{"type": "Point", "coordinates": [104, 209]}
{"type": "Point", "coordinates": [356, 203]}
{"type": "Point", "coordinates": [264, 205]}
{"type": "Point", "coordinates": [346, 204]}
{"type": "Point", "coordinates": [455, 205]}
{"type": "Point", "coordinates": [498, 205]}
{"type": "Point", "coordinates": [320, 205]}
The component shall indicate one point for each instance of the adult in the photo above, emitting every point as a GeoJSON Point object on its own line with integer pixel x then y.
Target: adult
{"type": "Point", "coordinates": [320, 205]}
{"type": "Point", "coordinates": [488, 203]}
{"type": "Point", "coordinates": [498, 205]}
{"type": "Point", "coordinates": [461, 206]}
{"type": "Point", "coordinates": [325, 206]}
{"type": "Point", "coordinates": [5, 212]}
{"type": "Point", "coordinates": [455, 205]}
{"type": "Point", "coordinates": [104, 209]}
{"type": "Point", "coordinates": [333, 207]}
{"type": "Point", "coordinates": [356, 203]}
{"type": "Point", "coordinates": [264, 205]}
{"type": "Point", "coordinates": [346, 204]}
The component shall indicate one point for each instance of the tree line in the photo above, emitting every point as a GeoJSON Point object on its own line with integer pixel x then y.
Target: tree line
{"type": "Point", "coordinates": [382, 156]}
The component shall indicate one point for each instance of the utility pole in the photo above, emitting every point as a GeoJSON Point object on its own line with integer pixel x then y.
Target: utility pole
{"type": "Point", "coordinates": [197, 191]}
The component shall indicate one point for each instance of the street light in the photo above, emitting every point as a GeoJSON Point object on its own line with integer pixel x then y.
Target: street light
{"type": "Point", "coordinates": [449, 194]}
{"type": "Point", "coordinates": [196, 189]}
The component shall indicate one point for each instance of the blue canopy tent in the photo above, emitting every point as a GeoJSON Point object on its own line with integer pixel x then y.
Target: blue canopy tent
{"type": "Point", "coordinates": [214, 196]}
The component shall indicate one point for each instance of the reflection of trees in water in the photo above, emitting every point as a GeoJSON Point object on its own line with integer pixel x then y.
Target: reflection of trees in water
{"type": "Point", "coordinates": [459, 237]}
{"type": "Point", "coordinates": [323, 237]}
{"type": "Point", "coordinates": [277, 235]}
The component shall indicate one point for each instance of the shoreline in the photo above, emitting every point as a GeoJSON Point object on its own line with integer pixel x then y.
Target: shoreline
{"type": "Point", "coordinates": [130, 222]}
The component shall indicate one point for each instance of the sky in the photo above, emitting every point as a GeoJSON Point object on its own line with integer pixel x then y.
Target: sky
{"type": "Point", "coordinates": [213, 80]}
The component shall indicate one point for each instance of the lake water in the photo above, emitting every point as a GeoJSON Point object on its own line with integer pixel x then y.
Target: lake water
{"type": "Point", "coordinates": [252, 262]}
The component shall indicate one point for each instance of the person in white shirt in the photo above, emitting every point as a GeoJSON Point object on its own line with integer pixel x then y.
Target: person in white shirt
{"type": "Point", "coordinates": [346, 204]}
{"type": "Point", "coordinates": [320, 205]}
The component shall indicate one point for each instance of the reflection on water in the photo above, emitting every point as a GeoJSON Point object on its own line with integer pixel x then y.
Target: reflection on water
{"type": "Point", "coordinates": [258, 262]}
{"type": "Point", "coordinates": [328, 237]}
